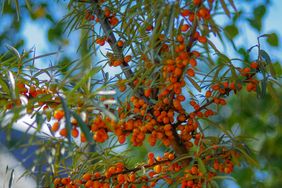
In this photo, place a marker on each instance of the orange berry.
(178, 72)
(165, 120)
(196, 54)
(55, 127)
(245, 71)
(127, 58)
(167, 127)
(202, 39)
(57, 181)
(82, 137)
(151, 155)
(171, 156)
(191, 72)
(184, 27)
(204, 13)
(151, 174)
(149, 28)
(225, 85)
(113, 21)
(87, 176)
(254, 65)
(194, 170)
(59, 114)
(120, 43)
(121, 139)
(185, 12)
(215, 87)
(122, 87)
(107, 12)
(147, 92)
(191, 17)
(63, 132)
(190, 183)
(180, 38)
(131, 177)
(97, 175)
(117, 63)
(193, 62)
(197, 2)
(121, 178)
(181, 117)
(65, 181)
(100, 41)
(250, 87)
(89, 184)
(20, 85)
(208, 94)
(158, 169)
(74, 132)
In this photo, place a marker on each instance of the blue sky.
(35, 33)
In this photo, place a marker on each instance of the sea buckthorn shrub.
(170, 82)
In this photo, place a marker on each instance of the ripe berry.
(55, 127)
(158, 169)
(120, 43)
(127, 58)
(59, 114)
(197, 2)
(184, 27)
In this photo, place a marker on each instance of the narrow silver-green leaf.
(265, 55)
(202, 166)
(11, 178)
(194, 83)
(67, 119)
(84, 128)
(224, 6)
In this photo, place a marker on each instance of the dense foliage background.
(256, 119)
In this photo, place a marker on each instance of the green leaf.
(183, 157)
(84, 79)
(278, 68)
(263, 86)
(265, 55)
(5, 86)
(17, 9)
(248, 158)
(67, 121)
(194, 83)
(272, 71)
(272, 92)
(214, 184)
(224, 6)
(259, 11)
(234, 159)
(223, 58)
(231, 31)
(273, 39)
(233, 5)
(39, 121)
(202, 166)
(12, 84)
(28, 5)
(255, 23)
(224, 178)
(11, 179)
(55, 32)
(84, 128)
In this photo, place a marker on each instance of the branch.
(112, 39)
(176, 144)
(127, 171)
